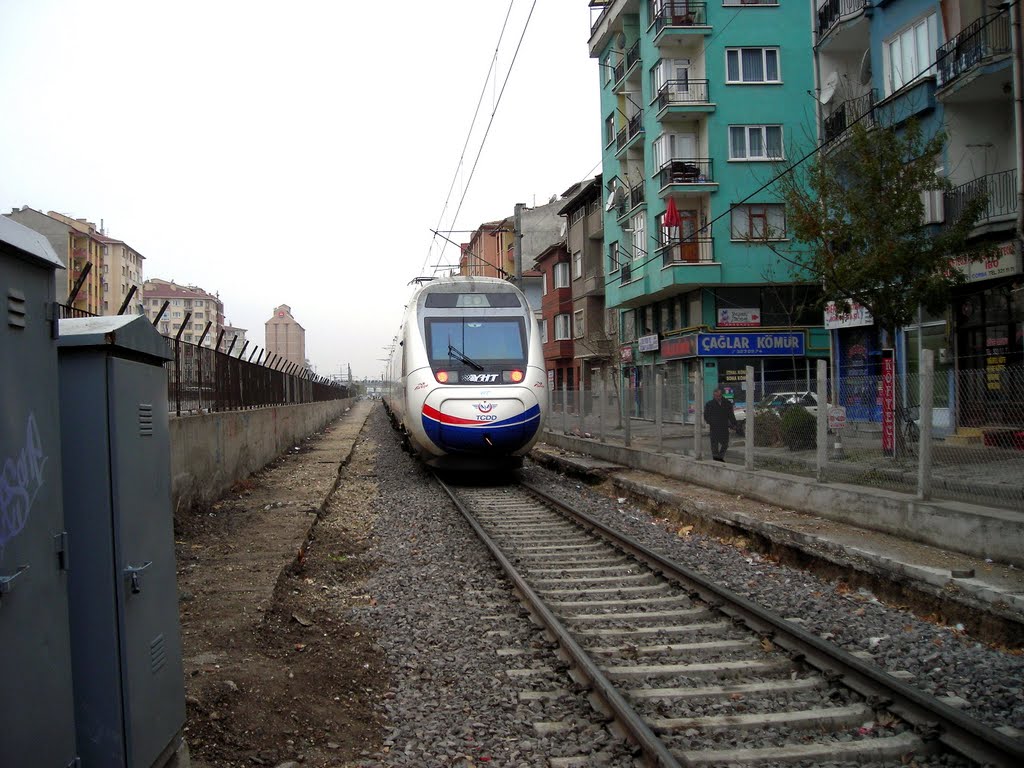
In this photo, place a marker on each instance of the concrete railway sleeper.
(694, 674)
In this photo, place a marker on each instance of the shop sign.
(679, 346)
(857, 316)
(626, 354)
(750, 344)
(648, 343)
(836, 417)
(1005, 260)
(737, 318)
(888, 403)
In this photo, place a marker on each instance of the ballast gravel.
(466, 661)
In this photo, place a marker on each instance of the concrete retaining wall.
(211, 452)
(985, 532)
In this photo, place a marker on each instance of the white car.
(779, 400)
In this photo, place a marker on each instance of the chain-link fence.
(947, 435)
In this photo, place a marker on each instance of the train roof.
(468, 284)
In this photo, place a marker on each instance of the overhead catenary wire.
(472, 125)
(490, 122)
(789, 169)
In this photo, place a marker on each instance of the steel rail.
(652, 747)
(933, 718)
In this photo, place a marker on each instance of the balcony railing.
(633, 55)
(834, 10)
(686, 250)
(980, 40)
(679, 13)
(632, 199)
(846, 114)
(683, 93)
(685, 170)
(633, 127)
(1001, 189)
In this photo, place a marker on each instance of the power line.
(490, 122)
(472, 125)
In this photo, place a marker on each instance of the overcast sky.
(294, 153)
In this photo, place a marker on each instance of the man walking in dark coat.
(719, 417)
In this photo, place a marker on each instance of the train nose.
(501, 425)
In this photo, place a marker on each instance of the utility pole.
(517, 245)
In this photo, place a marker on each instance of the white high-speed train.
(466, 381)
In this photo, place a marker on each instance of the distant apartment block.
(234, 341)
(77, 243)
(122, 271)
(285, 337)
(188, 304)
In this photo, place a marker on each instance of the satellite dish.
(614, 198)
(620, 40)
(829, 88)
(865, 68)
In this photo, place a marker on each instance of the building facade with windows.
(584, 227)
(950, 66)
(556, 334)
(197, 314)
(77, 243)
(122, 271)
(285, 337)
(701, 104)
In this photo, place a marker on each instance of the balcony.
(686, 250)
(625, 66)
(683, 97)
(630, 135)
(1001, 189)
(691, 174)
(978, 43)
(635, 198)
(860, 108)
(680, 15)
(834, 11)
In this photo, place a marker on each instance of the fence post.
(627, 411)
(658, 413)
(698, 411)
(821, 441)
(748, 426)
(924, 439)
(602, 404)
(565, 408)
(579, 404)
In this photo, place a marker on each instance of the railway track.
(696, 675)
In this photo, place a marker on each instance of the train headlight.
(512, 377)
(443, 377)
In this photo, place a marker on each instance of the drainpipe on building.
(1018, 112)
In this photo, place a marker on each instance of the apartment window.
(759, 222)
(175, 314)
(577, 264)
(613, 256)
(910, 53)
(755, 142)
(609, 69)
(544, 284)
(199, 314)
(609, 129)
(628, 325)
(562, 275)
(752, 65)
(639, 236)
(577, 323)
(200, 303)
(544, 331)
(562, 330)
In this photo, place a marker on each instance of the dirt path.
(274, 671)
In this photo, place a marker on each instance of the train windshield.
(482, 340)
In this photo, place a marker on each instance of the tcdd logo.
(484, 407)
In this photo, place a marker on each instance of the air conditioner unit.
(934, 206)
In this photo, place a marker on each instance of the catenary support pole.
(698, 411)
(748, 431)
(658, 414)
(821, 427)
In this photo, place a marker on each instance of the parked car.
(779, 400)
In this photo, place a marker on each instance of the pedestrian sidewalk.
(879, 533)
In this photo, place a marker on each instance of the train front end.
(484, 393)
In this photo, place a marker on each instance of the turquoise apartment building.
(949, 65)
(702, 104)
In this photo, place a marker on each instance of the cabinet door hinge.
(63, 554)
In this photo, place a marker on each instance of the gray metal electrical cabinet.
(129, 688)
(37, 726)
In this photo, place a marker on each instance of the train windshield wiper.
(457, 354)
